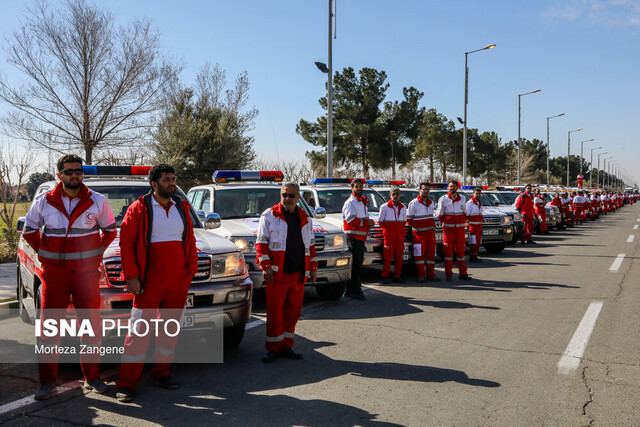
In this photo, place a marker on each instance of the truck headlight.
(517, 217)
(245, 244)
(335, 241)
(227, 265)
(506, 220)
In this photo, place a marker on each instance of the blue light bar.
(372, 182)
(237, 176)
(331, 181)
(468, 187)
(92, 170)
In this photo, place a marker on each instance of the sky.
(584, 55)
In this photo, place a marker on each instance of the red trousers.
(393, 248)
(528, 229)
(542, 215)
(284, 304)
(165, 288)
(424, 252)
(58, 285)
(476, 232)
(454, 240)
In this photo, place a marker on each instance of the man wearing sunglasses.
(77, 226)
(286, 253)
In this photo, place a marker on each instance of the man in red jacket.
(70, 251)
(286, 253)
(524, 204)
(159, 259)
(392, 219)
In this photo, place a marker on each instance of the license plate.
(490, 232)
(187, 321)
(405, 257)
(190, 299)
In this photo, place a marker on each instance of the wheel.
(38, 301)
(21, 293)
(494, 248)
(233, 335)
(330, 291)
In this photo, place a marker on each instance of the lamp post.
(604, 169)
(591, 167)
(329, 71)
(548, 150)
(581, 150)
(569, 151)
(466, 101)
(519, 115)
(598, 170)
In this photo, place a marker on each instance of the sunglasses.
(289, 195)
(395, 194)
(69, 172)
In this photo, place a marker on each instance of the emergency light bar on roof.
(483, 187)
(373, 182)
(91, 170)
(331, 180)
(238, 176)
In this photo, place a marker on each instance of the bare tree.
(14, 170)
(89, 84)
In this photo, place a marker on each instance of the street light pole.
(466, 101)
(598, 170)
(581, 150)
(591, 167)
(548, 150)
(569, 151)
(519, 120)
(604, 169)
(330, 99)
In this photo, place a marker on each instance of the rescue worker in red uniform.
(392, 219)
(356, 225)
(580, 180)
(557, 201)
(70, 250)
(423, 228)
(566, 209)
(540, 204)
(524, 205)
(474, 220)
(286, 253)
(451, 212)
(579, 207)
(159, 260)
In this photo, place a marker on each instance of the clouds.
(595, 12)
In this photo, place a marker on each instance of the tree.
(487, 157)
(14, 168)
(205, 128)
(34, 181)
(89, 84)
(436, 142)
(359, 136)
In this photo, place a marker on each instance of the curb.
(5, 308)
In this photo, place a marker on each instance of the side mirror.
(201, 215)
(20, 224)
(212, 221)
(321, 213)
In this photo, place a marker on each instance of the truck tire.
(233, 335)
(494, 248)
(330, 291)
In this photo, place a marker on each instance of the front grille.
(114, 269)
(492, 221)
(319, 242)
(204, 268)
(376, 233)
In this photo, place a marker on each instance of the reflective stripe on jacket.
(392, 219)
(452, 212)
(355, 218)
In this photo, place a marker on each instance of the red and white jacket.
(474, 212)
(524, 203)
(271, 243)
(74, 241)
(355, 217)
(539, 205)
(452, 211)
(392, 219)
(420, 215)
(579, 203)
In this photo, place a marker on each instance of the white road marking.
(571, 357)
(635, 227)
(16, 404)
(255, 323)
(616, 263)
(630, 238)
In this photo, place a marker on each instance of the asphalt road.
(503, 349)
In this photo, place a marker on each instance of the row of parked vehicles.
(225, 215)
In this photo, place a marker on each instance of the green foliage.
(34, 181)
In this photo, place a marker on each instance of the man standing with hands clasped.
(392, 219)
(451, 212)
(474, 219)
(524, 205)
(286, 253)
(159, 259)
(356, 225)
(423, 227)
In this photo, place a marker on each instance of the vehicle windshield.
(511, 196)
(498, 199)
(233, 203)
(407, 195)
(484, 199)
(333, 200)
(120, 198)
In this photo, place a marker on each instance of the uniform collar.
(362, 199)
(457, 199)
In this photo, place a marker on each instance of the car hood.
(205, 242)
(248, 227)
